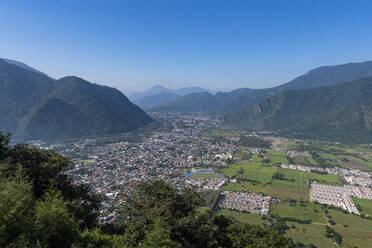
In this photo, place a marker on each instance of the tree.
(4, 145)
(16, 209)
(160, 216)
(159, 237)
(54, 225)
(44, 169)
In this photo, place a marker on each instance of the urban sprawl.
(181, 155)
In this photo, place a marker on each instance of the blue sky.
(215, 44)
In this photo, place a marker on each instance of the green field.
(351, 158)
(288, 190)
(277, 157)
(355, 237)
(309, 234)
(296, 175)
(326, 179)
(311, 161)
(368, 164)
(304, 211)
(328, 156)
(254, 177)
(355, 231)
(250, 171)
(242, 217)
(353, 221)
(278, 188)
(205, 176)
(358, 231)
(365, 204)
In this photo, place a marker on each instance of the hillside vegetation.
(338, 113)
(35, 106)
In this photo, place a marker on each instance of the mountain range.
(158, 95)
(227, 102)
(339, 113)
(36, 106)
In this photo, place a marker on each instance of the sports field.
(208, 176)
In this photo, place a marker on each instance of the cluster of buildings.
(351, 176)
(203, 181)
(339, 196)
(247, 202)
(113, 169)
(293, 154)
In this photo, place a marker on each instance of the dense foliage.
(338, 113)
(34, 106)
(40, 207)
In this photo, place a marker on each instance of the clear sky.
(215, 44)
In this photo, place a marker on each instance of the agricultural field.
(277, 157)
(365, 204)
(250, 171)
(328, 156)
(355, 231)
(360, 238)
(292, 185)
(368, 164)
(295, 175)
(352, 221)
(311, 161)
(288, 190)
(243, 217)
(277, 188)
(326, 179)
(299, 160)
(309, 234)
(219, 133)
(301, 211)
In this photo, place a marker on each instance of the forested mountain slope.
(34, 106)
(341, 112)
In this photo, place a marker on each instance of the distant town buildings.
(247, 202)
(339, 196)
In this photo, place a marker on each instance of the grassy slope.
(365, 204)
(309, 211)
(242, 217)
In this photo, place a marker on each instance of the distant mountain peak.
(158, 87)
